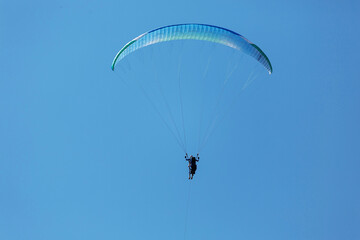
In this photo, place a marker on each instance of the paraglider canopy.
(195, 32)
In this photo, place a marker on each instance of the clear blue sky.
(82, 156)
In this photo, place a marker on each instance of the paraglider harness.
(192, 164)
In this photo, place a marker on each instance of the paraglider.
(201, 32)
(192, 164)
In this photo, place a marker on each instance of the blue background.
(82, 156)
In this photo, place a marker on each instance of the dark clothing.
(193, 169)
(192, 165)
